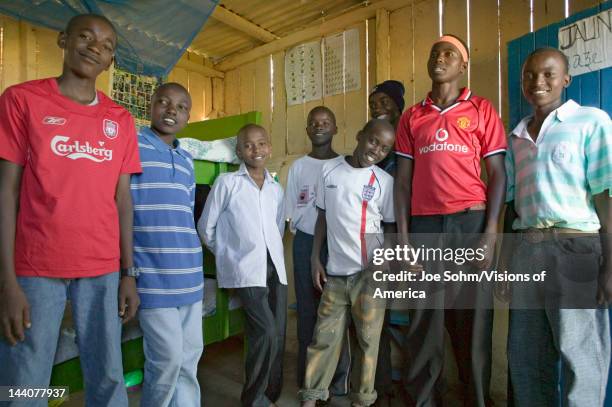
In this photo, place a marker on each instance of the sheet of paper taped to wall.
(219, 151)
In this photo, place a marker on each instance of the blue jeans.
(307, 304)
(98, 333)
(173, 345)
(540, 337)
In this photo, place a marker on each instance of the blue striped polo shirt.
(167, 249)
(552, 181)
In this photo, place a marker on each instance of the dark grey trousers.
(470, 330)
(558, 321)
(265, 310)
(383, 382)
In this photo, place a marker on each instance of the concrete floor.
(221, 370)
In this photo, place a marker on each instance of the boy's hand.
(318, 275)
(128, 299)
(487, 245)
(14, 312)
(503, 291)
(409, 264)
(604, 286)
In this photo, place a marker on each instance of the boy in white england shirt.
(354, 199)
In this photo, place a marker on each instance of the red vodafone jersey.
(72, 156)
(447, 146)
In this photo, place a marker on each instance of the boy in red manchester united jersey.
(438, 189)
(66, 155)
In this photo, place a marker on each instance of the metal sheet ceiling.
(217, 40)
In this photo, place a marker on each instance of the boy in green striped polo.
(559, 168)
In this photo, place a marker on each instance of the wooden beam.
(242, 24)
(27, 42)
(199, 68)
(383, 54)
(327, 27)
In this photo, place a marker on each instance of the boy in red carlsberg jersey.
(66, 155)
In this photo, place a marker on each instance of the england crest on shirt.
(111, 128)
(368, 192)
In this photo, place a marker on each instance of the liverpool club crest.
(111, 128)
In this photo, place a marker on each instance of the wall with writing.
(588, 43)
(590, 86)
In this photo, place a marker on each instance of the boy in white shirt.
(301, 211)
(242, 224)
(354, 198)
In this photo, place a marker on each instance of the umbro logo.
(58, 121)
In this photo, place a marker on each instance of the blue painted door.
(591, 89)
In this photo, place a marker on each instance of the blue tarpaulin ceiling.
(153, 34)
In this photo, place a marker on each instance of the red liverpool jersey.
(72, 156)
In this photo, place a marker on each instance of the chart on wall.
(342, 63)
(303, 73)
(308, 78)
(134, 93)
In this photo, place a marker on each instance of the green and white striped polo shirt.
(552, 181)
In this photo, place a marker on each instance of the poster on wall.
(588, 43)
(134, 92)
(303, 73)
(342, 63)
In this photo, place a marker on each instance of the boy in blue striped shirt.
(168, 255)
(559, 195)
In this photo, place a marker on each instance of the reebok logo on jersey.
(74, 150)
(441, 136)
(331, 186)
(58, 121)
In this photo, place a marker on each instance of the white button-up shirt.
(240, 224)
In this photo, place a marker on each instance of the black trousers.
(470, 330)
(383, 383)
(265, 311)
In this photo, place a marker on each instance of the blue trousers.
(173, 345)
(98, 332)
(544, 331)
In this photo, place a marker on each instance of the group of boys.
(338, 204)
(93, 213)
(72, 216)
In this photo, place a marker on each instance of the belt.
(478, 207)
(535, 235)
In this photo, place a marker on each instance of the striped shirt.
(167, 249)
(552, 181)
